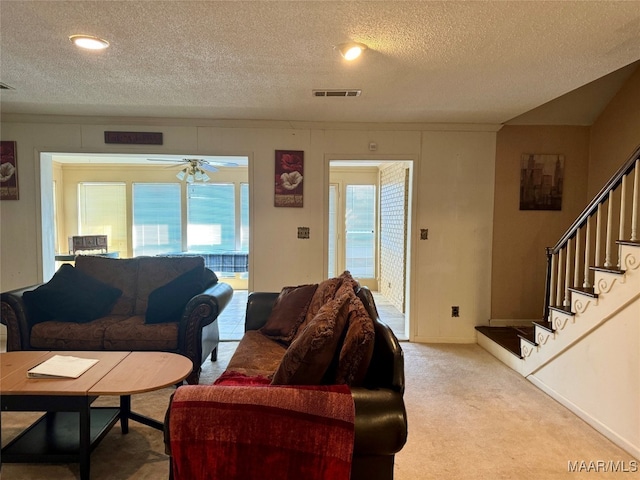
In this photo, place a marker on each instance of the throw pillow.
(348, 283)
(325, 292)
(166, 303)
(72, 295)
(357, 348)
(288, 313)
(309, 355)
(121, 273)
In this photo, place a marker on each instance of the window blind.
(102, 211)
(211, 217)
(157, 212)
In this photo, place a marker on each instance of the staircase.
(527, 349)
(585, 351)
(587, 271)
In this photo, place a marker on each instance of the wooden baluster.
(636, 200)
(623, 211)
(587, 251)
(547, 285)
(596, 259)
(567, 275)
(576, 261)
(552, 287)
(608, 233)
(559, 274)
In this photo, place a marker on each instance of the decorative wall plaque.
(541, 181)
(8, 171)
(133, 138)
(289, 176)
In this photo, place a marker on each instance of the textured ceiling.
(443, 62)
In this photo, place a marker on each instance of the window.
(55, 219)
(211, 217)
(333, 218)
(102, 211)
(157, 216)
(244, 217)
(360, 230)
(217, 216)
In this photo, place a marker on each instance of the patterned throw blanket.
(257, 432)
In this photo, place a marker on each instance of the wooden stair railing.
(589, 242)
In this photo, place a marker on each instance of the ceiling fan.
(195, 169)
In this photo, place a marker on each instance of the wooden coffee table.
(71, 429)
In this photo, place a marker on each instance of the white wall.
(453, 185)
(598, 378)
(455, 202)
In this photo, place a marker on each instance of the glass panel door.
(360, 235)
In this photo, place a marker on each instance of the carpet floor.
(470, 417)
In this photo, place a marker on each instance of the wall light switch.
(303, 232)
(424, 234)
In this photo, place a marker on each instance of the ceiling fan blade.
(221, 164)
(208, 168)
(173, 160)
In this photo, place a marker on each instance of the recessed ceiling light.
(89, 42)
(351, 50)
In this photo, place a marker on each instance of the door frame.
(412, 229)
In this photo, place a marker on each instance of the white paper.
(62, 366)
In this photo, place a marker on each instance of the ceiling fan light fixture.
(351, 50)
(89, 42)
(195, 169)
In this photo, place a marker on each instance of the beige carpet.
(470, 417)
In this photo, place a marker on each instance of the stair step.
(528, 334)
(506, 337)
(547, 325)
(590, 292)
(565, 310)
(614, 270)
(632, 243)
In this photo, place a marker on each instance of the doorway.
(143, 206)
(369, 232)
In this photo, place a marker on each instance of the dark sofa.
(376, 381)
(145, 303)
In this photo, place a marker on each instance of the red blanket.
(233, 432)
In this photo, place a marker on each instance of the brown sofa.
(311, 337)
(145, 303)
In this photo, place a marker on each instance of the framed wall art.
(289, 176)
(541, 181)
(8, 171)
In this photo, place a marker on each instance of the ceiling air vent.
(336, 93)
(4, 86)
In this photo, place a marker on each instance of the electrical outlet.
(455, 311)
(303, 232)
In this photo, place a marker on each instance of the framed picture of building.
(8, 171)
(289, 176)
(541, 181)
